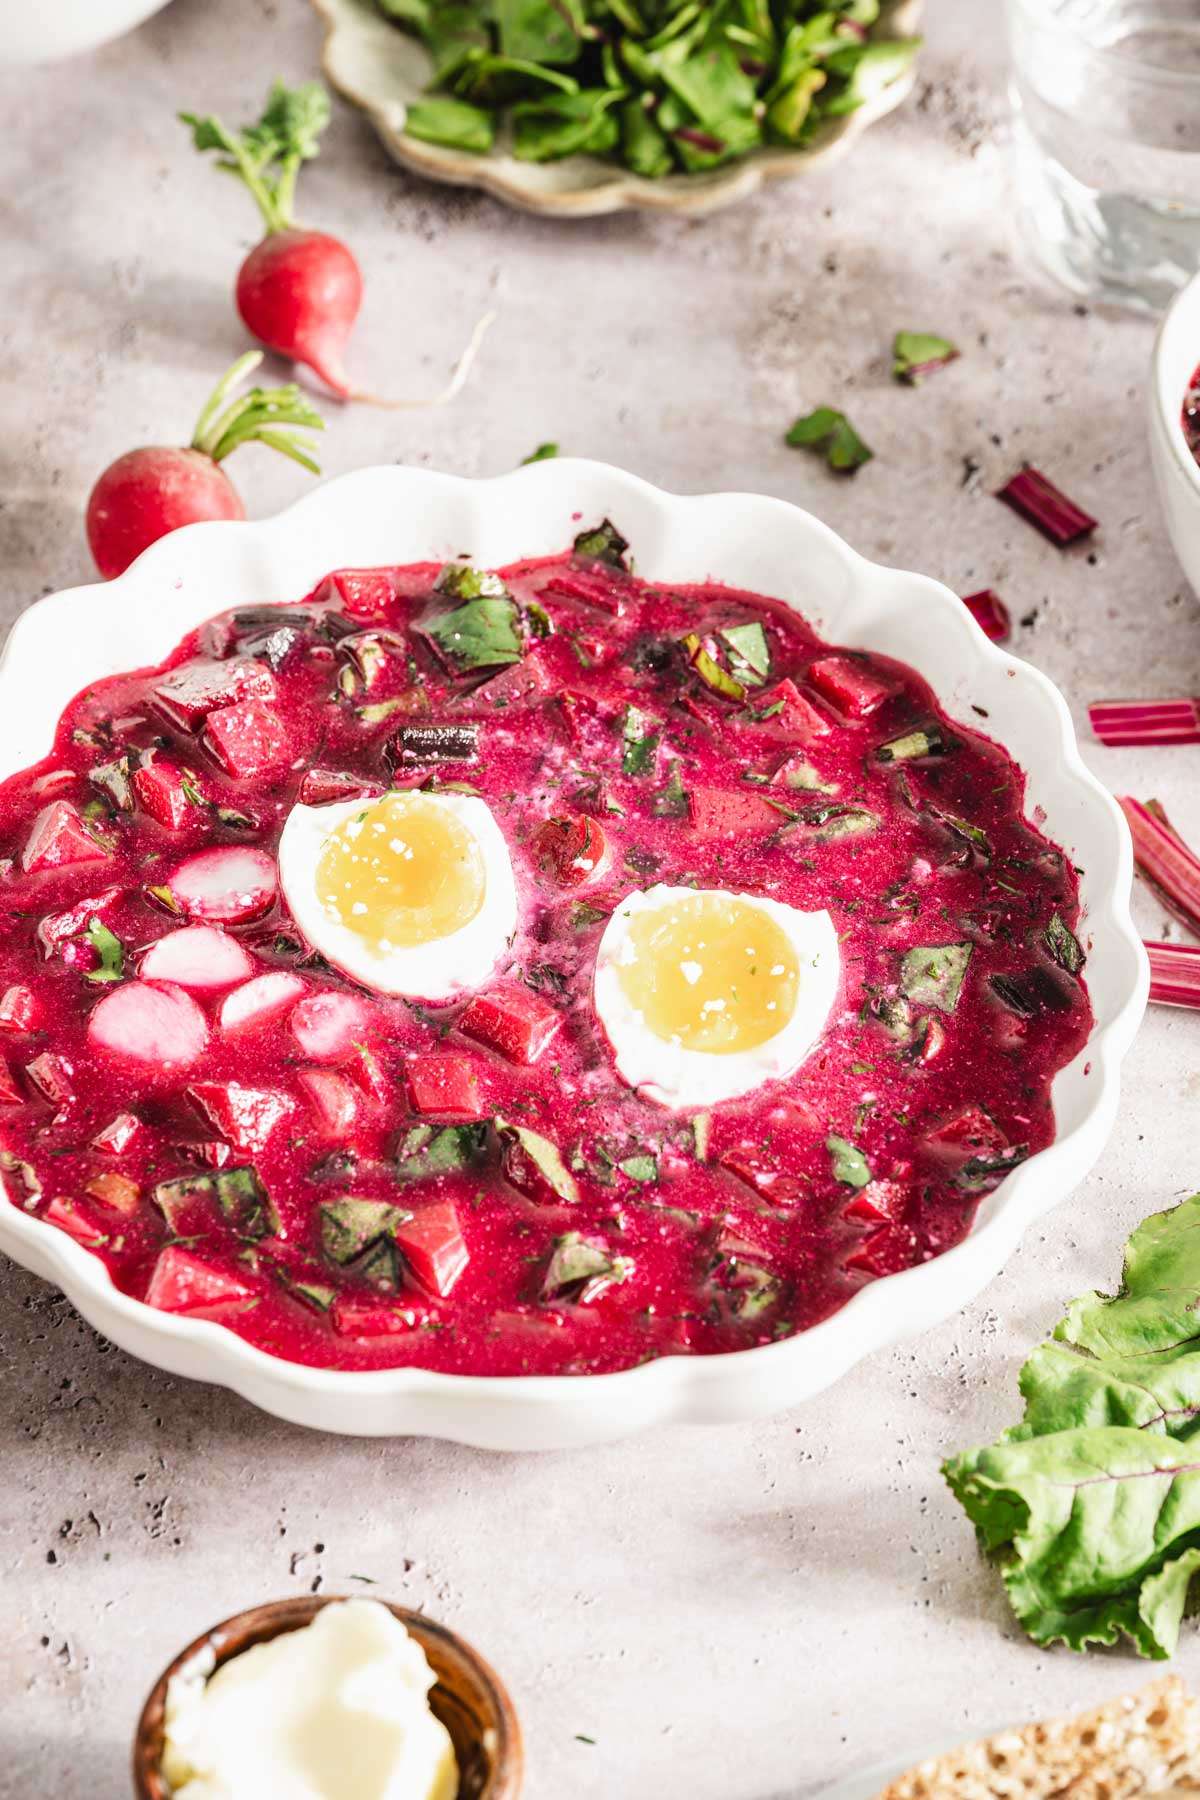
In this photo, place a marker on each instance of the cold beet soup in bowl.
(1175, 425)
(525, 969)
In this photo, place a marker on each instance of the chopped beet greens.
(832, 436)
(916, 354)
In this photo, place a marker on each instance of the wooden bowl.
(467, 1697)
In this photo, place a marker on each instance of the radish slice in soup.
(259, 1001)
(198, 956)
(327, 1026)
(225, 886)
(161, 1027)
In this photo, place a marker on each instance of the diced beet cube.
(53, 1077)
(10, 1093)
(118, 1134)
(190, 693)
(245, 1116)
(57, 838)
(160, 1027)
(445, 1087)
(968, 1133)
(569, 850)
(331, 1098)
(57, 928)
(321, 787)
(797, 717)
(432, 1245)
(329, 1024)
(592, 585)
(257, 1002)
(765, 1178)
(356, 1316)
(118, 1192)
(577, 710)
(210, 1153)
(158, 786)
(879, 1203)
(732, 812)
(183, 1282)
(18, 1009)
(522, 684)
(513, 1020)
(77, 1223)
(367, 1075)
(225, 886)
(853, 689)
(248, 739)
(365, 593)
(197, 956)
(885, 1252)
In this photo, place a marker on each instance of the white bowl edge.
(1175, 359)
(394, 514)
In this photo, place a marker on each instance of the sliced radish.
(332, 1100)
(118, 1134)
(159, 1026)
(55, 929)
(189, 694)
(245, 1116)
(185, 1283)
(259, 1001)
(327, 1026)
(225, 886)
(197, 956)
(58, 837)
(432, 1245)
(72, 1219)
(53, 1077)
(18, 1009)
(248, 739)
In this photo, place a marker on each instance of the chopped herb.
(109, 949)
(918, 353)
(640, 1168)
(1063, 945)
(672, 801)
(714, 677)
(640, 741)
(582, 915)
(545, 1156)
(850, 1166)
(462, 582)
(977, 1171)
(831, 434)
(929, 740)
(934, 976)
(581, 1268)
(482, 633)
(427, 1151)
(749, 652)
(543, 453)
(603, 544)
(352, 1226)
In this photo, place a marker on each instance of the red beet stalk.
(1174, 974)
(1046, 507)
(1165, 860)
(989, 613)
(1146, 721)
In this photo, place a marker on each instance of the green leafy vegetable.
(454, 123)
(109, 949)
(352, 1226)
(582, 1268)
(425, 1150)
(850, 1166)
(672, 801)
(482, 633)
(545, 1156)
(1091, 1505)
(714, 677)
(933, 976)
(1063, 945)
(267, 156)
(603, 543)
(543, 453)
(929, 740)
(749, 652)
(916, 354)
(640, 740)
(831, 435)
(642, 1167)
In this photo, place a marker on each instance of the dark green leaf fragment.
(115, 778)
(640, 740)
(981, 1170)
(850, 1166)
(543, 453)
(672, 801)
(463, 582)
(245, 1203)
(426, 1150)
(1028, 994)
(109, 949)
(929, 740)
(482, 633)
(1063, 945)
(558, 125)
(439, 119)
(933, 975)
(831, 434)
(316, 1294)
(603, 543)
(582, 1268)
(545, 1156)
(351, 1226)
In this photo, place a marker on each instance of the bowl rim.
(1179, 329)
(620, 190)
(275, 1618)
(433, 1402)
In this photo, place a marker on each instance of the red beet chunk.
(1047, 508)
(885, 1252)
(321, 787)
(57, 838)
(513, 1020)
(364, 593)
(19, 1009)
(591, 585)
(158, 1026)
(78, 1223)
(847, 685)
(731, 812)
(183, 1282)
(118, 1134)
(797, 717)
(10, 1093)
(248, 739)
(191, 692)
(445, 1087)
(879, 1203)
(356, 1317)
(433, 1246)
(56, 928)
(244, 1116)
(158, 786)
(969, 1133)
(331, 1099)
(569, 850)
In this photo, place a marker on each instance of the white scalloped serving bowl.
(397, 515)
(383, 70)
(1176, 358)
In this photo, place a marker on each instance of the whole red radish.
(298, 291)
(148, 492)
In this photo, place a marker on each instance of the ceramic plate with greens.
(591, 106)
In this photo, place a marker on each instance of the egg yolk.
(710, 973)
(403, 871)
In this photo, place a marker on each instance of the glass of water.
(1106, 100)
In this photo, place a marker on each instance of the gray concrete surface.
(743, 1614)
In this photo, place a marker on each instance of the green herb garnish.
(482, 633)
(831, 435)
(109, 949)
(850, 1166)
(545, 1156)
(640, 741)
(934, 976)
(1063, 945)
(603, 543)
(543, 453)
(916, 354)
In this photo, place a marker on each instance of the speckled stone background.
(738, 1614)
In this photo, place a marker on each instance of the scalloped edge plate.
(381, 69)
(396, 515)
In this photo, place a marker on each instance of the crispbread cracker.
(1138, 1744)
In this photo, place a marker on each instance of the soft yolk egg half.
(706, 995)
(411, 893)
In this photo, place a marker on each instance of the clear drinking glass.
(1106, 102)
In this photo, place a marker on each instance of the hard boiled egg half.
(410, 893)
(706, 995)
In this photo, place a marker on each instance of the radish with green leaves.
(148, 492)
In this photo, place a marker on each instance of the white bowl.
(406, 515)
(1176, 359)
(383, 70)
(42, 34)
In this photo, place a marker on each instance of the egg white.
(437, 970)
(672, 1076)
